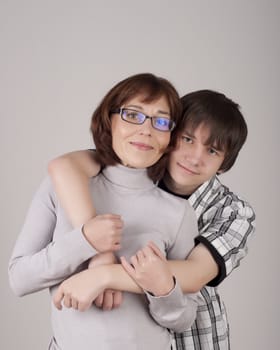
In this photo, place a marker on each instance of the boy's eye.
(213, 151)
(186, 139)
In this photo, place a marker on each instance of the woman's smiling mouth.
(141, 146)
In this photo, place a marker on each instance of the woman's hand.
(80, 290)
(150, 271)
(109, 299)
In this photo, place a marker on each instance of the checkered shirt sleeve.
(225, 222)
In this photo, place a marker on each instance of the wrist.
(165, 289)
(114, 277)
(87, 235)
(106, 275)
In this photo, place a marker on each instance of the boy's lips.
(187, 170)
(141, 146)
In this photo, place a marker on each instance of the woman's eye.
(132, 115)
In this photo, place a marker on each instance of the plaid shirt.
(225, 223)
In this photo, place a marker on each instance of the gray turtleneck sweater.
(48, 250)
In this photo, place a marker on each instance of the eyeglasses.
(135, 117)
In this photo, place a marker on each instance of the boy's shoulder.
(223, 191)
(171, 201)
(214, 194)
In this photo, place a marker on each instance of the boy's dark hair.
(152, 88)
(228, 129)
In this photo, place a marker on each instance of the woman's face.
(140, 146)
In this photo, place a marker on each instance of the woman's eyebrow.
(141, 108)
(163, 112)
(135, 106)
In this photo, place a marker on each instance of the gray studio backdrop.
(58, 58)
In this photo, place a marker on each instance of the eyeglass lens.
(135, 117)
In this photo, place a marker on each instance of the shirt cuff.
(164, 302)
(217, 257)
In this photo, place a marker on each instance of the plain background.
(58, 59)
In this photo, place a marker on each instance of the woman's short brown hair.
(152, 88)
(228, 129)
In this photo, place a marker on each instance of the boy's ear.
(219, 172)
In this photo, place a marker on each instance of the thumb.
(127, 266)
(156, 250)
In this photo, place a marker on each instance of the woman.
(48, 251)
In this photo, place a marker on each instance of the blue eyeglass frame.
(171, 122)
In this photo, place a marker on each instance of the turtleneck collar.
(128, 177)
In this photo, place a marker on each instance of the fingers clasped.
(147, 266)
(104, 232)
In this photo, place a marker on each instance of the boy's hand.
(80, 290)
(103, 232)
(150, 271)
(109, 299)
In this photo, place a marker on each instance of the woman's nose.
(146, 127)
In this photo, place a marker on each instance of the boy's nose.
(196, 155)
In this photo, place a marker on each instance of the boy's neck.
(176, 188)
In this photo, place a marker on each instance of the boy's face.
(193, 161)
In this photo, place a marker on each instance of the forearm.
(118, 279)
(191, 274)
(196, 271)
(70, 175)
(41, 259)
(186, 273)
(31, 271)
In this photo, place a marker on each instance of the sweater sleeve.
(177, 311)
(38, 260)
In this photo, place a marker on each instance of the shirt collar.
(132, 178)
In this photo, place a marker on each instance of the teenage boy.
(210, 137)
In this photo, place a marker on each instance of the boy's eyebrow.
(189, 133)
(213, 145)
